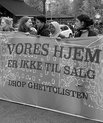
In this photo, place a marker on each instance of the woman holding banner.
(25, 25)
(6, 24)
(42, 26)
(55, 30)
(83, 26)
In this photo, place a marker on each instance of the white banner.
(65, 76)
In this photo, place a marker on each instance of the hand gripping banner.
(64, 76)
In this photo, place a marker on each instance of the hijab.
(57, 29)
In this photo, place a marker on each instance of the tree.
(62, 7)
(91, 7)
(77, 4)
(37, 4)
(66, 7)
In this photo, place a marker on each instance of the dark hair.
(86, 19)
(21, 24)
(41, 18)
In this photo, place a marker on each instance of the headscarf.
(57, 29)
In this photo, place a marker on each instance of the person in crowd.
(99, 27)
(6, 24)
(25, 25)
(83, 26)
(71, 26)
(0, 24)
(42, 26)
(55, 30)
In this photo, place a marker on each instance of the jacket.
(44, 31)
(90, 33)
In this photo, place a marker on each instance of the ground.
(17, 113)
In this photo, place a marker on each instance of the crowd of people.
(83, 27)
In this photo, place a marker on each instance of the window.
(64, 28)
